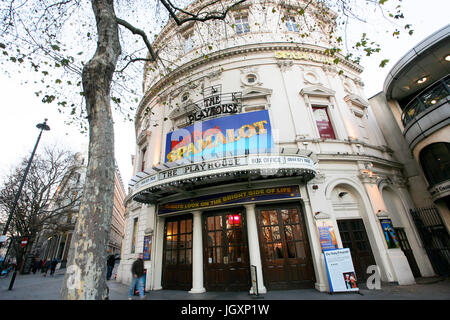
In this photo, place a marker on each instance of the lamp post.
(42, 126)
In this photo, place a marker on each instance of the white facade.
(353, 176)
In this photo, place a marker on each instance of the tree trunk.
(86, 275)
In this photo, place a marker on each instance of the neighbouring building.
(56, 243)
(256, 151)
(414, 115)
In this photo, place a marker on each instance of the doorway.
(354, 237)
(226, 259)
(177, 256)
(285, 251)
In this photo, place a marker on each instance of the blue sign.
(220, 199)
(234, 135)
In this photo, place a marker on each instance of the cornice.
(169, 79)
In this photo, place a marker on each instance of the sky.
(21, 110)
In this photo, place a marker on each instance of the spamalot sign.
(299, 55)
(236, 135)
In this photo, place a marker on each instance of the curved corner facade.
(257, 157)
(414, 111)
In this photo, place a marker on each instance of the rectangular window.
(188, 42)
(362, 127)
(241, 24)
(134, 235)
(291, 24)
(143, 152)
(323, 122)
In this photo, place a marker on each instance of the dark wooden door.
(226, 257)
(354, 237)
(285, 252)
(177, 259)
(406, 248)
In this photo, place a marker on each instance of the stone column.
(197, 254)
(253, 246)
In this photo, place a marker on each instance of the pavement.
(37, 287)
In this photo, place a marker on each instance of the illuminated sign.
(245, 196)
(234, 135)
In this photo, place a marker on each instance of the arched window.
(435, 162)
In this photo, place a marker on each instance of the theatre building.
(255, 153)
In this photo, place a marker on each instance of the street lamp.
(42, 126)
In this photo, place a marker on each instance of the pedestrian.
(45, 267)
(53, 265)
(137, 271)
(35, 265)
(110, 266)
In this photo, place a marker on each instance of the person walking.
(53, 265)
(35, 265)
(137, 271)
(110, 266)
(45, 267)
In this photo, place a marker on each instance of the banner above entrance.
(220, 199)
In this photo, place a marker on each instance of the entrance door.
(226, 252)
(354, 237)
(177, 259)
(285, 252)
(406, 248)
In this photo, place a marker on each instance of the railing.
(426, 99)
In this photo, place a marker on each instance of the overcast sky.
(21, 110)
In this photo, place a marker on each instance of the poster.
(147, 250)
(327, 235)
(389, 234)
(226, 136)
(341, 273)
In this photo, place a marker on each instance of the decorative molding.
(317, 91)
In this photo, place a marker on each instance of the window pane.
(273, 217)
(285, 216)
(276, 233)
(265, 218)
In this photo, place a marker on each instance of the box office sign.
(245, 196)
(231, 135)
(341, 273)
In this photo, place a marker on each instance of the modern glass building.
(415, 112)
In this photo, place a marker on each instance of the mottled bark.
(86, 276)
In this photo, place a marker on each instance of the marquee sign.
(239, 134)
(244, 196)
(264, 163)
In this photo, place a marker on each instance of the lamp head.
(43, 126)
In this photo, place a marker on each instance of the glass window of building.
(188, 42)
(435, 162)
(362, 127)
(134, 235)
(323, 122)
(143, 153)
(291, 24)
(241, 24)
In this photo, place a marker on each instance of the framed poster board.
(147, 250)
(340, 270)
(389, 234)
(327, 235)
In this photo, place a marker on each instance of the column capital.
(196, 212)
(249, 206)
